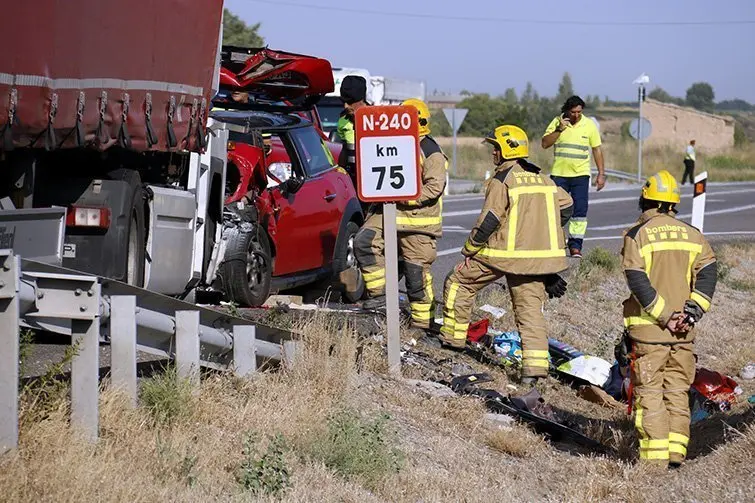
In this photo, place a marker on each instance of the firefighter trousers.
(661, 377)
(417, 252)
(527, 297)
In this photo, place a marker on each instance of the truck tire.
(248, 267)
(344, 258)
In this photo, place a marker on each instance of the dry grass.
(735, 164)
(277, 431)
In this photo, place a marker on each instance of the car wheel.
(136, 251)
(346, 259)
(248, 268)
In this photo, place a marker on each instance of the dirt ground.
(349, 432)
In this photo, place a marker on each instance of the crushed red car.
(291, 214)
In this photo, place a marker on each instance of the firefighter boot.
(418, 252)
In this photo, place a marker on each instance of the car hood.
(275, 75)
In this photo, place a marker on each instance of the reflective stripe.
(638, 419)
(550, 207)
(419, 221)
(690, 266)
(658, 308)
(420, 306)
(645, 319)
(513, 220)
(662, 443)
(369, 276)
(701, 301)
(99, 83)
(572, 145)
(578, 227)
(677, 449)
(377, 283)
(429, 295)
(493, 253)
(658, 455)
(670, 246)
(678, 438)
(529, 362)
(468, 246)
(567, 155)
(534, 353)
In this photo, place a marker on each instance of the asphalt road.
(729, 215)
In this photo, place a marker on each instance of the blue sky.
(491, 55)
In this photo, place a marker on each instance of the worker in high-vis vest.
(519, 235)
(573, 137)
(671, 272)
(354, 95)
(419, 225)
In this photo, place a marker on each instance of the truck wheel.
(345, 258)
(136, 241)
(248, 268)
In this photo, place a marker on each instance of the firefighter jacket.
(424, 216)
(345, 130)
(666, 262)
(519, 230)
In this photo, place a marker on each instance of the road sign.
(455, 117)
(387, 150)
(634, 129)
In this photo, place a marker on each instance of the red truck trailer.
(103, 115)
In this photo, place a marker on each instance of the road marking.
(680, 217)
(451, 251)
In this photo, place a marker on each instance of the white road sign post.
(455, 116)
(388, 170)
(698, 200)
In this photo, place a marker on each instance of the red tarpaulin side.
(74, 53)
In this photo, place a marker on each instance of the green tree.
(510, 96)
(661, 95)
(237, 32)
(735, 105)
(565, 88)
(439, 124)
(700, 95)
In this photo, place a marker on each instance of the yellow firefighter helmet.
(661, 187)
(511, 140)
(424, 114)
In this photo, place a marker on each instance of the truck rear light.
(79, 216)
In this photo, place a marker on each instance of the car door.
(308, 220)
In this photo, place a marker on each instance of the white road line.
(451, 251)
(681, 216)
(614, 199)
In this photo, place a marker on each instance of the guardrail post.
(244, 350)
(187, 346)
(123, 344)
(291, 351)
(9, 354)
(85, 369)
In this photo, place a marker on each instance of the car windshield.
(329, 115)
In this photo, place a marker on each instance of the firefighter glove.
(692, 309)
(555, 285)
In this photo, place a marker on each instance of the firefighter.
(671, 272)
(518, 235)
(419, 226)
(354, 95)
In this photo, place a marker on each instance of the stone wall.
(675, 126)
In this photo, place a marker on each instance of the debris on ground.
(748, 371)
(496, 312)
(430, 389)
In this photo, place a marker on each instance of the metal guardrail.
(92, 310)
(623, 175)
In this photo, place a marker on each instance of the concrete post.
(291, 351)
